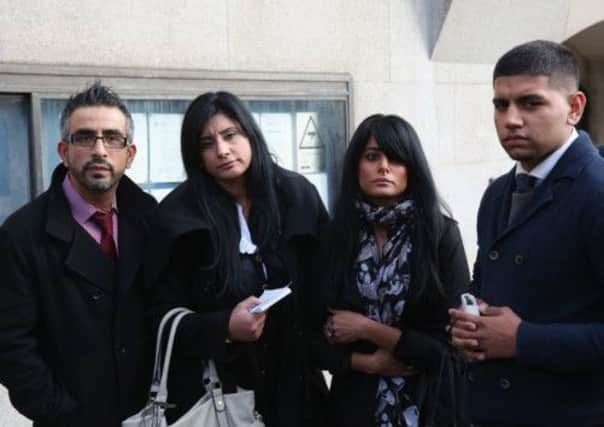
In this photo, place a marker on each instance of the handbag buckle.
(159, 404)
(219, 404)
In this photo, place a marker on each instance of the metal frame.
(60, 81)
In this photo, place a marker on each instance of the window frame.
(41, 82)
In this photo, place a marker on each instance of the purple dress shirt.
(82, 212)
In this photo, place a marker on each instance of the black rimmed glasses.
(111, 140)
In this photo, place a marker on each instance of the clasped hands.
(344, 327)
(492, 335)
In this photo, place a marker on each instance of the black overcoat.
(177, 269)
(73, 340)
(423, 344)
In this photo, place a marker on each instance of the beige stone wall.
(597, 103)
(384, 45)
(595, 87)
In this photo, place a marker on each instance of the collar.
(246, 245)
(81, 209)
(543, 169)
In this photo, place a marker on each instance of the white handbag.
(214, 409)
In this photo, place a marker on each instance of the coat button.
(493, 255)
(518, 260)
(96, 297)
(505, 383)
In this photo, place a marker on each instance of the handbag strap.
(160, 333)
(214, 388)
(162, 390)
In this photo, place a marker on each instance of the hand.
(243, 325)
(345, 326)
(494, 334)
(460, 325)
(383, 363)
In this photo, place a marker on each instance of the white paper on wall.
(139, 170)
(164, 138)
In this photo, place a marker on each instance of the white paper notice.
(138, 172)
(164, 137)
(277, 130)
(270, 297)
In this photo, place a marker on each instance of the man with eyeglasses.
(74, 346)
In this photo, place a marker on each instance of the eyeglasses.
(111, 140)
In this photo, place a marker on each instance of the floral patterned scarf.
(383, 281)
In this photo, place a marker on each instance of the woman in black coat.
(396, 264)
(238, 225)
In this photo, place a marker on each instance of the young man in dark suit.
(74, 347)
(538, 346)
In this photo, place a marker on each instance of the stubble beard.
(96, 185)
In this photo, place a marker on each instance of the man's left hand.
(495, 334)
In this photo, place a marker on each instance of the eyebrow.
(88, 130)
(521, 98)
(222, 132)
(531, 97)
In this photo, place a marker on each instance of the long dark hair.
(216, 205)
(399, 142)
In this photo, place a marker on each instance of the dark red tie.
(104, 221)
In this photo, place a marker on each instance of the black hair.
(540, 58)
(399, 142)
(97, 95)
(216, 205)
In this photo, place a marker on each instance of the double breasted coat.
(74, 347)
(547, 267)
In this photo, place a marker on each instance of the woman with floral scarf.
(396, 264)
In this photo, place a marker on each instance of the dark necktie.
(104, 221)
(525, 185)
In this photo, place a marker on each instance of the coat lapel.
(83, 255)
(130, 252)
(86, 259)
(551, 189)
(133, 204)
(503, 199)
